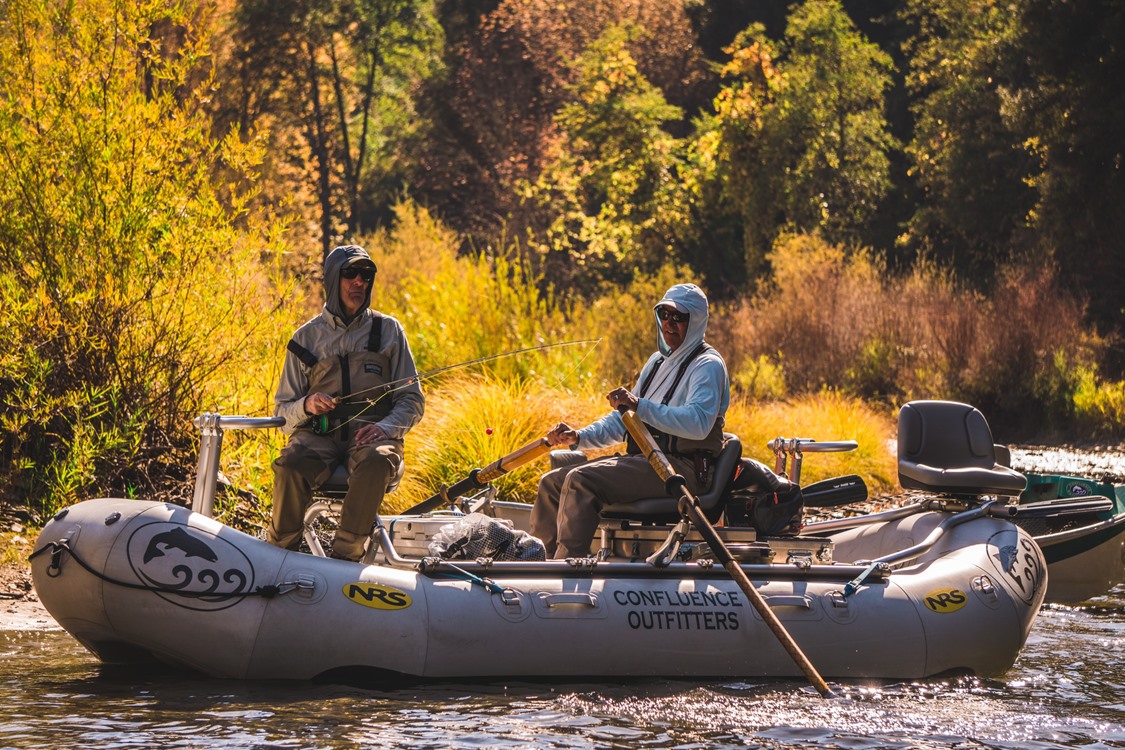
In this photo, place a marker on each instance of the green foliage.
(971, 167)
(333, 84)
(1065, 63)
(610, 183)
(831, 115)
(129, 279)
(493, 115)
(759, 378)
(798, 137)
(1099, 406)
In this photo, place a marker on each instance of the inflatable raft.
(942, 589)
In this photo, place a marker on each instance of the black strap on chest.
(374, 342)
(308, 359)
(703, 346)
(375, 336)
(661, 439)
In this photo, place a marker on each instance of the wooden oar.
(689, 507)
(479, 478)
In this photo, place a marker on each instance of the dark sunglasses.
(367, 274)
(673, 315)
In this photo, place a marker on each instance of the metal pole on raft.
(689, 508)
(211, 450)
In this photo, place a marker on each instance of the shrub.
(458, 308)
(624, 320)
(134, 284)
(1099, 407)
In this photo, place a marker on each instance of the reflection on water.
(1066, 690)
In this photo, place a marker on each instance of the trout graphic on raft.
(181, 540)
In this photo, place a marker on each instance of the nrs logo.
(375, 596)
(944, 601)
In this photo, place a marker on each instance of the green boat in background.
(1085, 548)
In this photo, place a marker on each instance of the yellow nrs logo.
(375, 596)
(944, 601)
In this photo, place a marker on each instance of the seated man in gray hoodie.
(682, 396)
(348, 349)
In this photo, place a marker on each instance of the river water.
(1067, 689)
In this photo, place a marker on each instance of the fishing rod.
(349, 411)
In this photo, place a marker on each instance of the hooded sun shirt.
(699, 399)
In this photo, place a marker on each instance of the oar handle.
(479, 478)
(690, 505)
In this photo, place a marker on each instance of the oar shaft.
(479, 478)
(715, 542)
(666, 472)
(520, 456)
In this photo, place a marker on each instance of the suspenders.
(664, 441)
(703, 346)
(374, 343)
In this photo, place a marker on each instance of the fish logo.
(189, 567)
(179, 539)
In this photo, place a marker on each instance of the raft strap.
(435, 566)
(63, 545)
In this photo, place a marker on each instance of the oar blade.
(829, 493)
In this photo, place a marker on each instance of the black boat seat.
(946, 447)
(665, 510)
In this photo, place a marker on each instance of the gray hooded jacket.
(329, 334)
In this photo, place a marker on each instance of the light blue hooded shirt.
(702, 396)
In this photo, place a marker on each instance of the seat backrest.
(666, 509)
(947, 447)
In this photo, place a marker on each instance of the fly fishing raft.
(679, 586)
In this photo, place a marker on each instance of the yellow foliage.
(825, 416)
(473, 420)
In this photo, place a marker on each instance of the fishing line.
(407, 382)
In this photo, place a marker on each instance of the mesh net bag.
(477, 535)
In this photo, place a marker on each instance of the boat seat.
(946, 447)
(665, 510)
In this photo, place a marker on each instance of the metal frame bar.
(211, 450)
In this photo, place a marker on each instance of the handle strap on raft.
(854, 584)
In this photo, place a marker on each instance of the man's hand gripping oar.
(479, 478)
(689, 508)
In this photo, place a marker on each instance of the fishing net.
(477, 535)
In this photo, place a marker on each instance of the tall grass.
(825, 416)
(472, 420)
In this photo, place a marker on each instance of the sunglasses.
(367, 274)
(673, 315)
